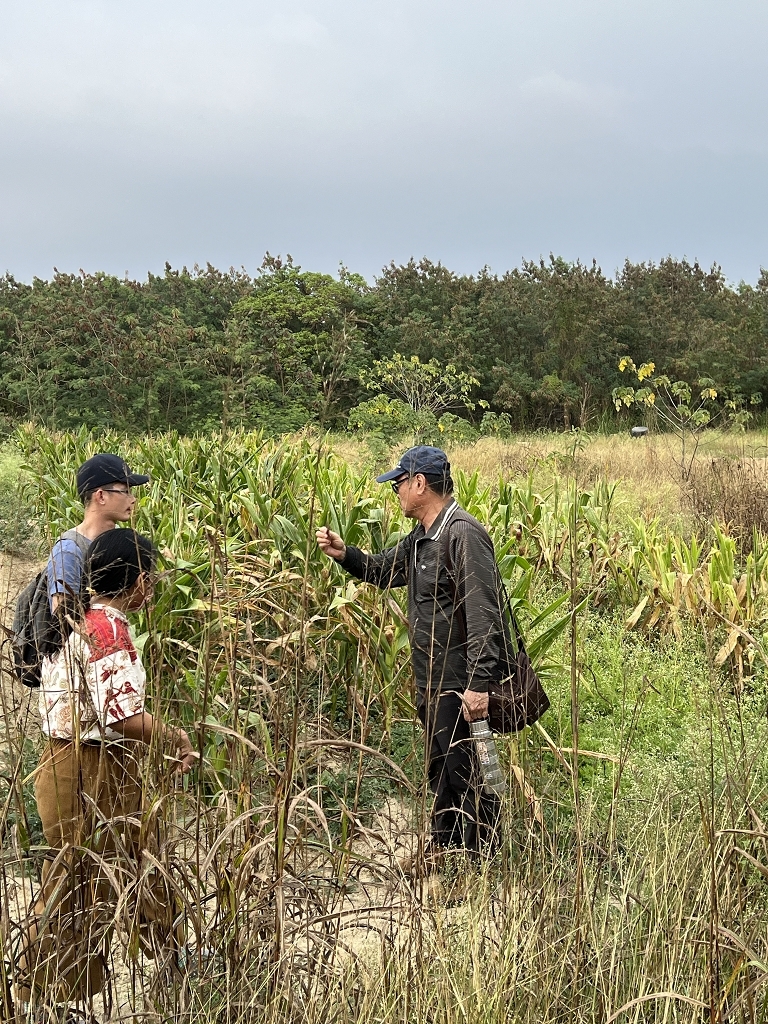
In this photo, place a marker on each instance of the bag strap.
(445, 554)
(504, 605)
(82, 542)
(512, 617)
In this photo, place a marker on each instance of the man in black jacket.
(459, 637)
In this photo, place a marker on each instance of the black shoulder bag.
(518, 698)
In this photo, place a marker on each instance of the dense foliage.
(190, 350)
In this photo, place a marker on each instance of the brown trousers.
(89, 799)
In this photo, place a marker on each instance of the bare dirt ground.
(15, 571)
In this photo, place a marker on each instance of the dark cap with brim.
(104, 469)
(421, 459)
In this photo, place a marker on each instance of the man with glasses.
(104, 484)
(459, 639)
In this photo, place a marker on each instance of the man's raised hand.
(331, 544)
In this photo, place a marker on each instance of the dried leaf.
(634, 618)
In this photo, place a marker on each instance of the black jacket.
(459, 637)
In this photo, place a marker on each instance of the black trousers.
(463, 814)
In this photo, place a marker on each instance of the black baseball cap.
(421, 459)
(104, 469)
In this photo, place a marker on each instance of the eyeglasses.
(397, 484)
(116, 490)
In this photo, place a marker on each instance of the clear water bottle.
(488, 756)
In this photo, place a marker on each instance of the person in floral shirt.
(88, 786)
(102, 657)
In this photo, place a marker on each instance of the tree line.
(192, 350)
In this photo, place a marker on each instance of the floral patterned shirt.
(96, 679)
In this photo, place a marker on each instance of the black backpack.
(36, 631)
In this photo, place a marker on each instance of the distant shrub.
(496, 425)
(387, 417)
(452, 430)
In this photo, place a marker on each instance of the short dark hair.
(115, 561)
(441, 485)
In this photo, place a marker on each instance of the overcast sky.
(360, 131)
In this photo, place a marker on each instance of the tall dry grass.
(281, 852)
(649, 467)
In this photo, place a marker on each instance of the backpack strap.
(52, 629)
(82, 542)
(511, 616)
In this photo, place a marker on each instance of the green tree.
(188, 348)
(296, 350)
(90, 349)
(416, 391)
(425, 387)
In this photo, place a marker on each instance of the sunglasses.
(397, 484)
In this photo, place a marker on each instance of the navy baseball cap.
(104, 469)
(421, 459)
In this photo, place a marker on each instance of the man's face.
(117, 502)
(408, 492)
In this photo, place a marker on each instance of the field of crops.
(632, 882)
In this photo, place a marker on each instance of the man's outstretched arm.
(389, 569)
